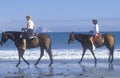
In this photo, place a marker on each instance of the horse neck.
(78, 37)
(13, 35)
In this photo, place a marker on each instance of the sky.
(60, 15)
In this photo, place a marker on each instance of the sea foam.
(58, 54)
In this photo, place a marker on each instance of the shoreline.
(60, 69)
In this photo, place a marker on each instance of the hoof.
(50, 64)
(110, 62)
(95, 62)
(17, 65)
(28, 64)
(79, 62)
(35, 64)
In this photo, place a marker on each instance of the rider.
(30, 30)
(95, 32)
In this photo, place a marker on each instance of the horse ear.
(1, 31)
(72, 33)
(4, 34)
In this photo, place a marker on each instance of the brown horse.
(42, 40)
(107, 40)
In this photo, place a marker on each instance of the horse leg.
(42, 53)
(50, 55)
(93, 55)
(21, 54)
(19, 59)
(84, 50)
(111, 57)
(110, 54)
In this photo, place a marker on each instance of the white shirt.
(96, 29)
(30, 24)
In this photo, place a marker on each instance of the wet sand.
(61, 69)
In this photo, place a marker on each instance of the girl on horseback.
(95, 32)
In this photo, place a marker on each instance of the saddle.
(99, 39)
(32, 36)
(29, 37)
(97, 36)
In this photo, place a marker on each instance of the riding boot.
(93, 47)
(24, 44)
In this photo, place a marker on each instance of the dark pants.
(29, 33)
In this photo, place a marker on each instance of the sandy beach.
(60, 69)
(65, 65)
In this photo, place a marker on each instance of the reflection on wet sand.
(43, 71)
(46, 72)
(64, 69)
(111, 67)
(33, 72)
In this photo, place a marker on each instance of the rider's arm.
(97, 28)
(23, 29)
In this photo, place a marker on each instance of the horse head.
(71, 38)
(4, 38)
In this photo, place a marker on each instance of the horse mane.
(83, 35)
(15, 33)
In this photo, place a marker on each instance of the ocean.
(60, 47)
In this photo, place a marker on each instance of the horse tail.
(113, 47)
(110, 41)
(46, 39)
(49, 46)
(48, 43)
